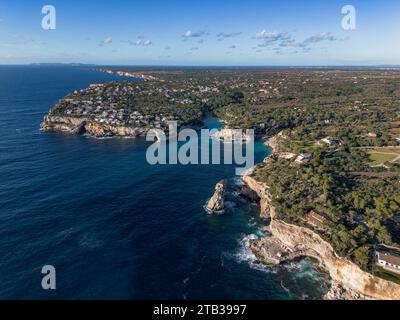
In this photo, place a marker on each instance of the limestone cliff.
(298, 241)
(341, 270)
(261, 190)
(76, 125)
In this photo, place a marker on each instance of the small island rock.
(217, 202)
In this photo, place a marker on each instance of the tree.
(362, 256)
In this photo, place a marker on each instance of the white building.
(304, 157)
(388, 260)
(329, 141)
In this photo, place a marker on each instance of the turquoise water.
(112, 225)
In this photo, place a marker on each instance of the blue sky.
(155, 32)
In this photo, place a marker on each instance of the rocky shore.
(288, 242)
(75, 125)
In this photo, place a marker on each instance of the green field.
(387, 275)
(380, 156)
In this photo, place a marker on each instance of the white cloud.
(141, 42)
(279, 40)
(267, 35)
(323, 36)
(222, 35)
(194, 34)
(107, 40)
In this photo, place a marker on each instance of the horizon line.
(205, 65)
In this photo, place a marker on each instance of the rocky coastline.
(129, 74)
(81, 125)
(288, 242)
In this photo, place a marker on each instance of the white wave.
(245, 255)
(211, 212)
(237, 181)
(252, 223)
(108, 137)
(284, 288)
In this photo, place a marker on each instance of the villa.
(303, 157)
(329, 141)
(388, 260)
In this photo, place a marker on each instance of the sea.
(112, 225)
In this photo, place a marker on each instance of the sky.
(207, 32)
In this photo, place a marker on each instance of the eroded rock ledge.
(76, 125)
(289, 242)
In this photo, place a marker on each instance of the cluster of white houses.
(114, 104)
(120, 103)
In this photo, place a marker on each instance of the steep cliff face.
(299, 241)
(84, 125)
(59, 123)
(341, 270)
(261, 189)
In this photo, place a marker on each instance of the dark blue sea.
(113, 226)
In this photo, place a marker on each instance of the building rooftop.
(389, 257)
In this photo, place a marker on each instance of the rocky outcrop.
(217, 202)
(338, 292)
(271, 251)
(292, 241)
(75, 125)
